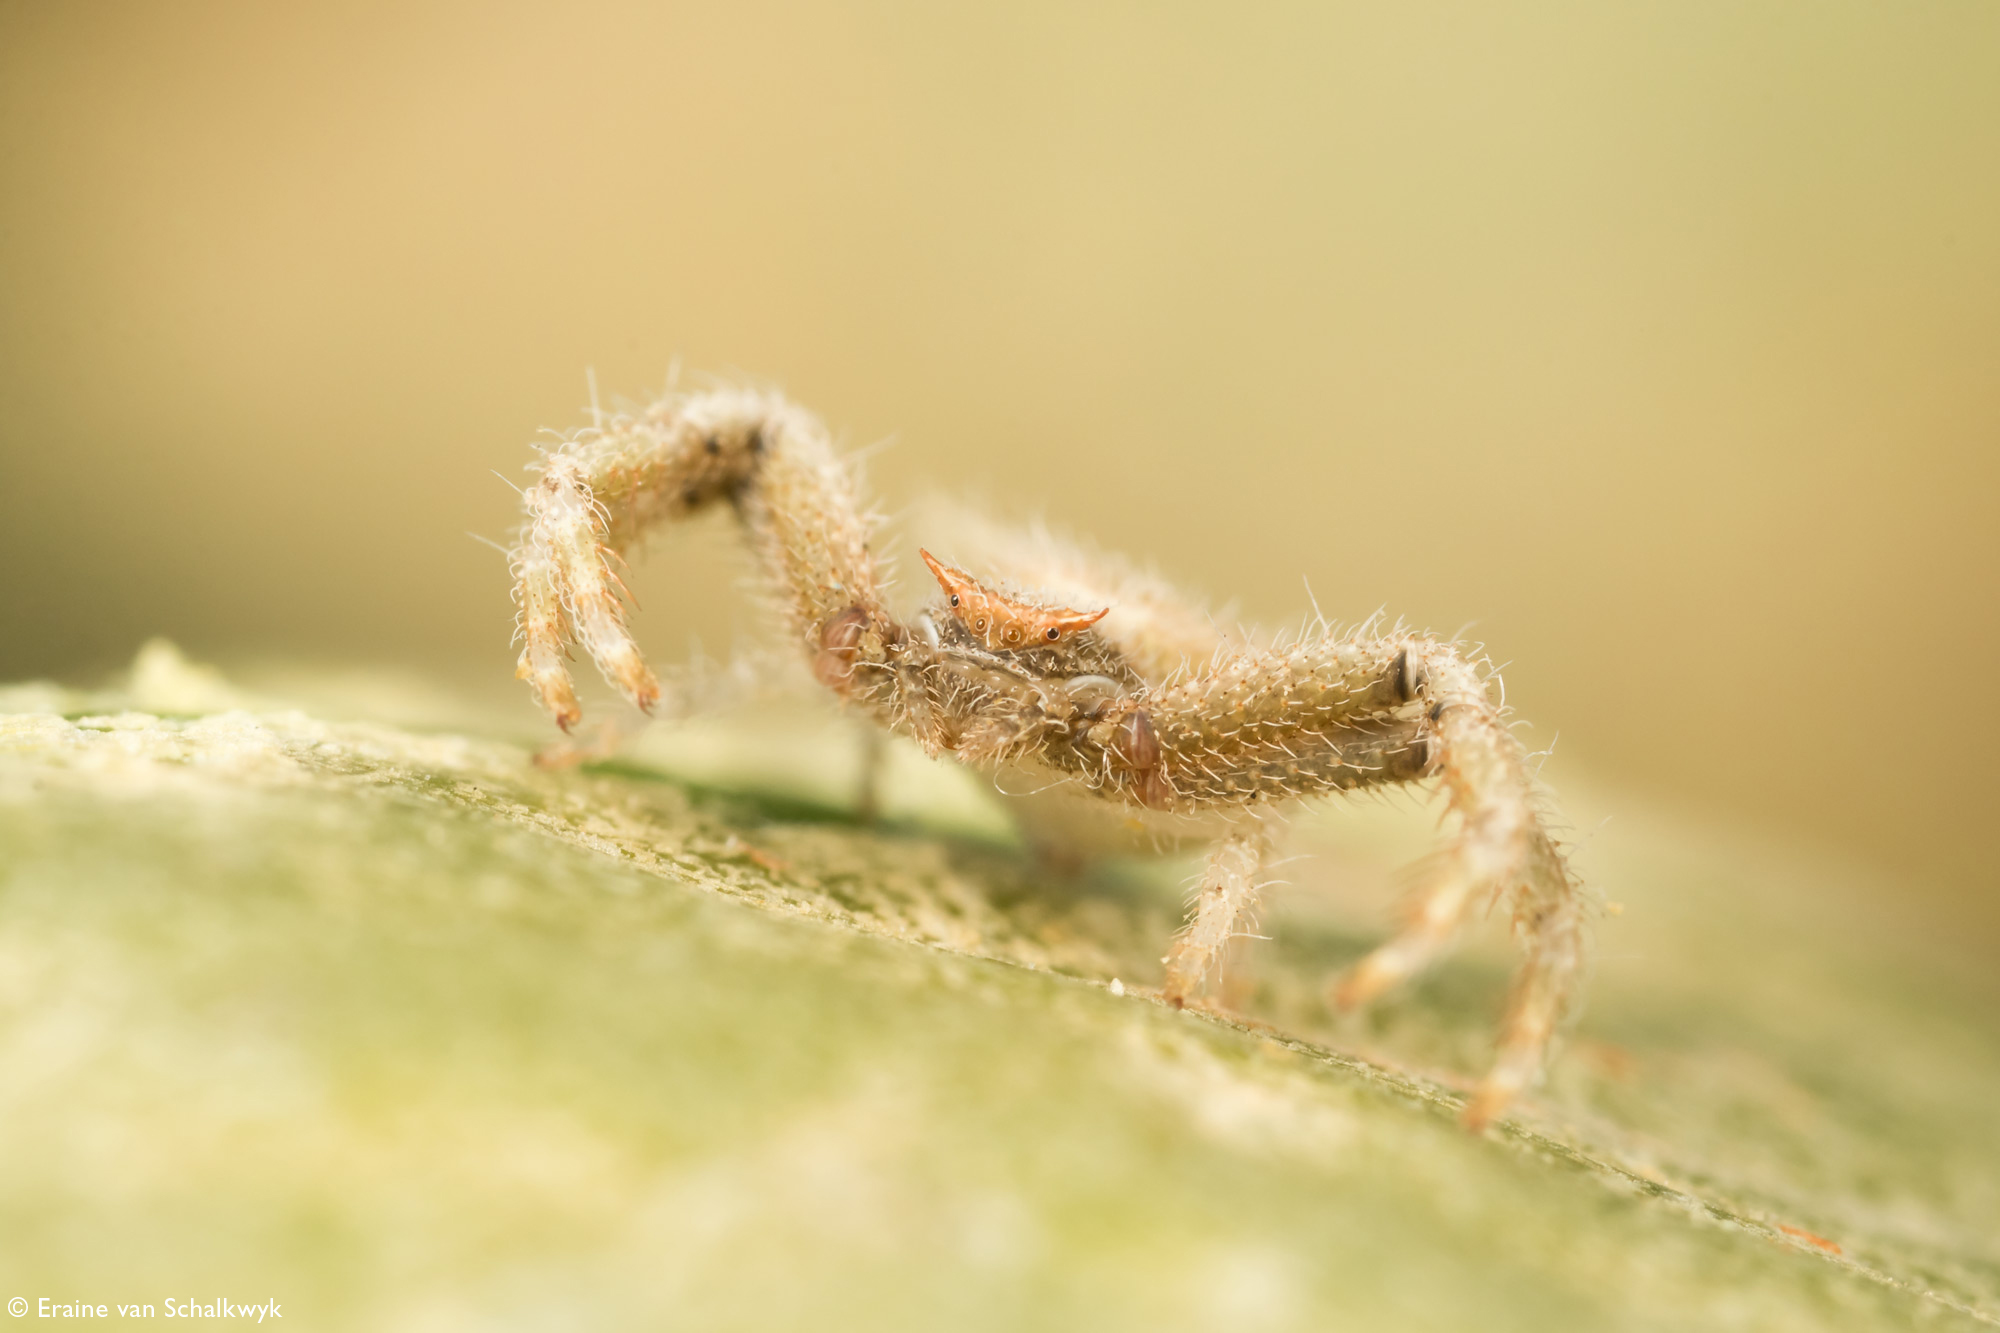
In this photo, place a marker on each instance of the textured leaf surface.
(394, 1027)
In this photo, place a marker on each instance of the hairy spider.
(1142, 701)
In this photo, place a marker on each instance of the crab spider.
(1141, 702)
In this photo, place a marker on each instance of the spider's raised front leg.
(603, 488)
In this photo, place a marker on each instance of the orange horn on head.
(997, 609)
(1071, 621)
(951, 580)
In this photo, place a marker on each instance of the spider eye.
(980, 624)
(1012, 634)
(954, 599)
(1054, 634)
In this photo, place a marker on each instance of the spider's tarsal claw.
(629, 672)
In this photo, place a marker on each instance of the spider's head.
(1003, 622)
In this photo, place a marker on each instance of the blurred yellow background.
(1662, 342)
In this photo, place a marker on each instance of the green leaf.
(391, 1026)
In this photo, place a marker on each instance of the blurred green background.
(1658, 340)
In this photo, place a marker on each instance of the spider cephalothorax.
(1144, 702)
